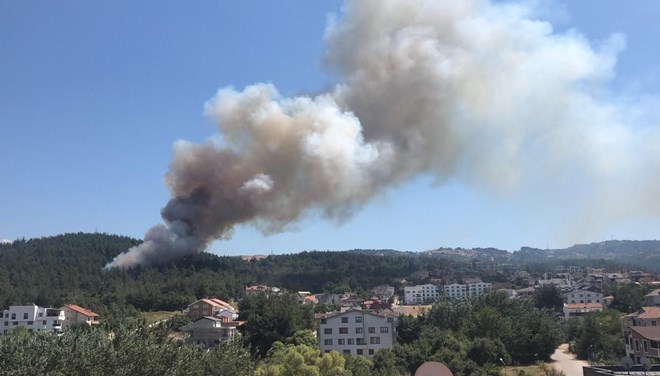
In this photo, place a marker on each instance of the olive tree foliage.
(123, 351)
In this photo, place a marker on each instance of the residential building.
(357, 332)
(383, 292)
(78, 315)
(583, 296)
(642, 334)
(208, 331)
(580, 309)
(652, 298)
(32, 317)
(326, 298)
(476, 287)
(420, 294)
(211, 307)
(471, 287)
(456, 290)
(257, 289)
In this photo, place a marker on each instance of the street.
(566, 362)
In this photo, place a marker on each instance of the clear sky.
(94, 94)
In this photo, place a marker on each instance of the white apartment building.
(456, 291)
(583, 297)
(470, 289)
(478, 288)
(420, 294)
(357, 332)
(34, 318)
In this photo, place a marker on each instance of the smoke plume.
(484, 92)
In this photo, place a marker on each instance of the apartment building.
(456, 290)
(420, 294)
(357, 332)
(642, 334)
(472, 288)
(32, 317)
(582, 297)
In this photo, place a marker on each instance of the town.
(379, 322)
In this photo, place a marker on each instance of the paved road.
(566, 362)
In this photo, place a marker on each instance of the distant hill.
(642, 253)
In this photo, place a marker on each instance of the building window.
(324, 321)
(374, 340)
(654, 344)
(359, 341)
(372, 329)
(371, 351)
(358, 318)
(341, 341)
(358, 330)
(14, 322)
(25, 315)
(646, 346)
(344, 320)
(327, 342)
(13, 316)
(384, 329)
(30, 322)
(41, 314)
(351, 341)
(327, 331)
(346, 351)
(390, 319)
(343, 330)
(45, 322)
(654, 323)
(360, 352)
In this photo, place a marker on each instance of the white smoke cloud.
(484, 92)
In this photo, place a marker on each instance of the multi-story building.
(211, 307)
(383, 292)
(78, 315)
(580, 309)
(476, 287)
(357, 332)
(420, 294)
(641, 331)
(456, 290)
(34, 318)
(471, 288)
(652, 298)
(209, 331)
(582, 297)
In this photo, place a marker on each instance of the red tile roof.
(81, 310)
(650, 313)
(649, 332)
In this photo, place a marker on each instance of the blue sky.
(94, 94)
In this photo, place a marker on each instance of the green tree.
(548, 297)
(271, 318)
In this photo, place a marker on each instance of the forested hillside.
(69, 269)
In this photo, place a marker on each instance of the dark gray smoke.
(471, 90)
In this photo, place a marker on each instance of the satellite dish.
(646, 363)
(627, 363)
(433, 369)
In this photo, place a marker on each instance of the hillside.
(644, 254)
(68, 268)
